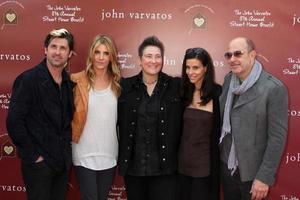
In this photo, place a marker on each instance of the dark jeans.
(44, 183)
(94, 184)
(191, 188)
(233, 187)
(150, 187)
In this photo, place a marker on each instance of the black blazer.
(34, 120)
(169, 123)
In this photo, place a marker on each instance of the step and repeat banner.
(273, 25)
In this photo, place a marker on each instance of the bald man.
(254, 110)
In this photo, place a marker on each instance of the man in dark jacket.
(39, 117)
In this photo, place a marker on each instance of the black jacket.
(169, 122)
(35, 121)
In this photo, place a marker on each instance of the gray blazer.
(259, 121)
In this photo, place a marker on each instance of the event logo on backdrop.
(114, 14)
(294, 113)
(292, 158)
(10, 14)
(116, 193)
(292, 67)
(10, 17)
(14, 57)
(198, 19)
(63, 13)
(4, 100)
(125, 60)
(12, 188)
(289, 197)
(296, 20)
(252, 19)
(8, 149)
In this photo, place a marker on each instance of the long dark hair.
(208, 81)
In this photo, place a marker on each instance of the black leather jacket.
(169, 122)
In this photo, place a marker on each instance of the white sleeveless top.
(97, 148)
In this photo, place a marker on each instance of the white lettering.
(296, 20)
(113, 14)
(292, 158)
(14, 57)
(169, 62)
(289, 72)
(12, 188)
(236, 24)
(48, 19)
(291, 197)
(266, 25)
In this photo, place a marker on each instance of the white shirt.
(97, 148)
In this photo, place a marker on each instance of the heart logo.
(10, 17)
(8, 149)
(199, 21)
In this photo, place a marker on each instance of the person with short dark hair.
(149, 119)
(39, 120)
(199, 148)
(254, 110)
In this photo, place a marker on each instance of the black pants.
(191, 188)
(150, 187)
(44, 183)
(94, 184)
(233, 187)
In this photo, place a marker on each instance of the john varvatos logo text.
(14, 57)
(296, 20)
(12, 188)
(292, 158)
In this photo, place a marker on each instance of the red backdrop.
(273, 25)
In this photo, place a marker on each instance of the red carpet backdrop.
(180, 24)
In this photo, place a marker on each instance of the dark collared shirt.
(65, 112)
(146, 145)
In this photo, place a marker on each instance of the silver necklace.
(149, 83)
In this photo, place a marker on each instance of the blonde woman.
(95, 143)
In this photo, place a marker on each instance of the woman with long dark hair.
(198, 164)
